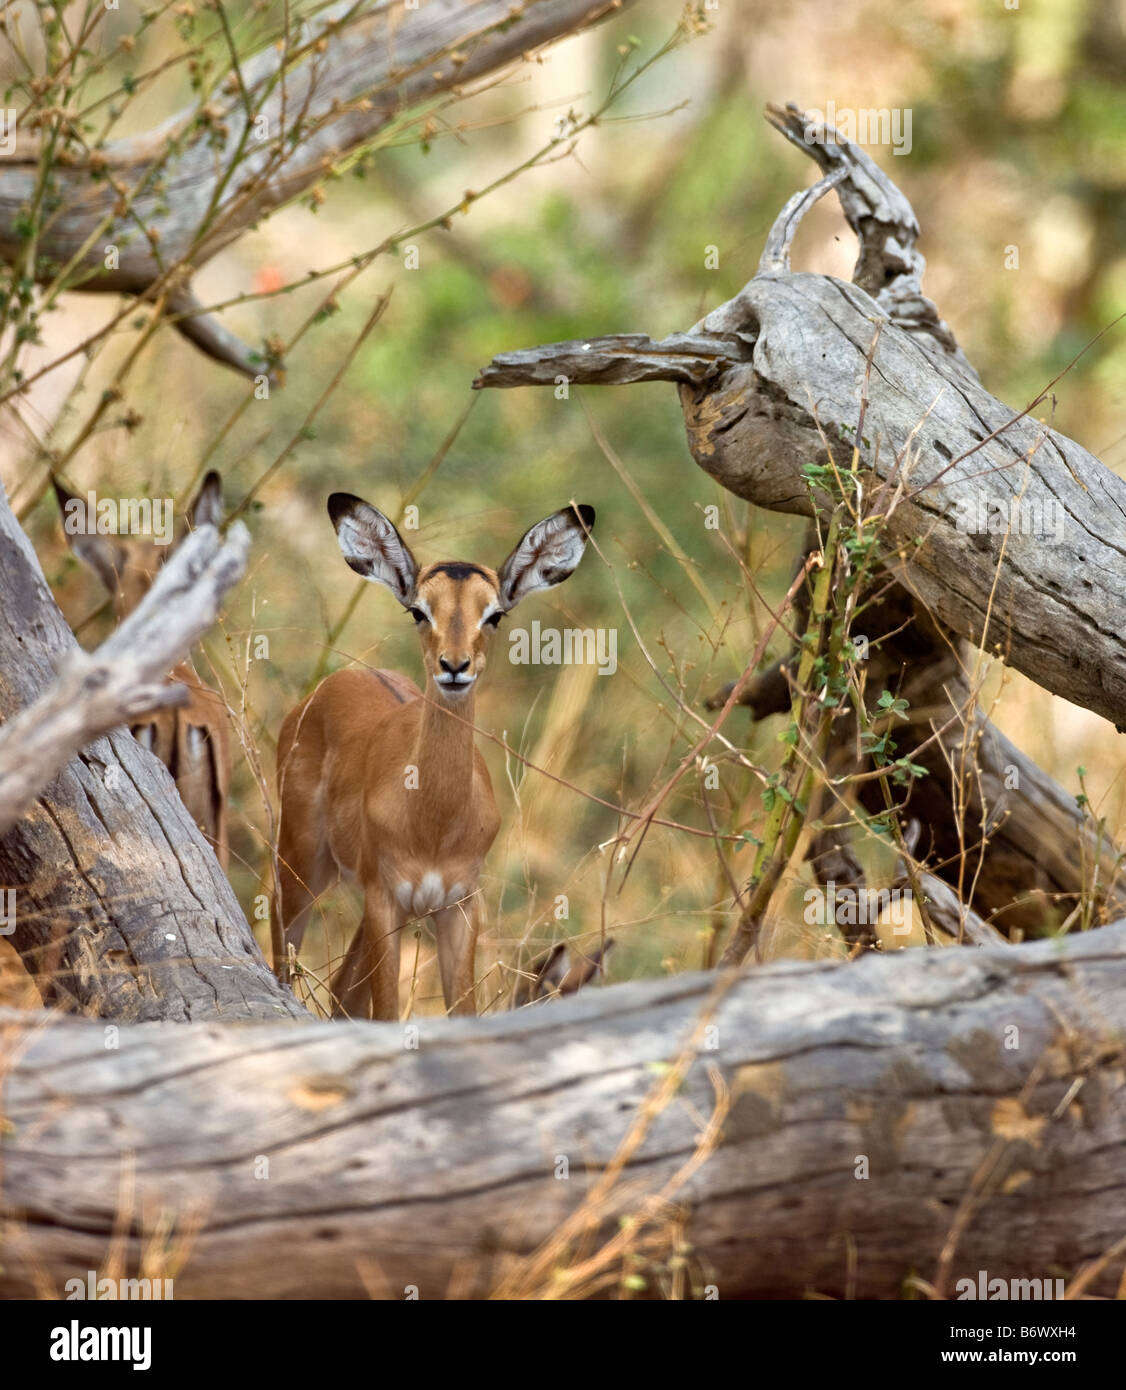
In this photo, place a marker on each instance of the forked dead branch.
(784, 363)
(770, 384)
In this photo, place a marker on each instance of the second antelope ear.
(207, 507)
(96, 552)
(550, 968)
(372, 546)
(548, 553)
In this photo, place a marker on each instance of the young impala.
(383, 783)
(193, 742)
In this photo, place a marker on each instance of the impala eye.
(493, 620)
(418, 615)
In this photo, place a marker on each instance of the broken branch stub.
(890, 266)
(618, 359)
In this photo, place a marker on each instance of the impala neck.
(444, 755)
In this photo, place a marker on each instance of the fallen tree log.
(926, 1114)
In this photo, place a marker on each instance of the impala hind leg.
(455, 929)
(305, 870)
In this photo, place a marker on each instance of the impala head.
(457, 606)
(127, 564)
(562, 969)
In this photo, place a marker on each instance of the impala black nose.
(451, 669)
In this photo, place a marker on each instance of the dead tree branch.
(297, 109)
(764, 381)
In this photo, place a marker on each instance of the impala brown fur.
(193, 742)
(382, 783)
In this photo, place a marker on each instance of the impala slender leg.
(222, 843)
(455, 929)
(377, 955)
(304, 872)
(351, 983)
(292, 903)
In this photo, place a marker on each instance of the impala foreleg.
(455, 929)
(300, 879)
(289, 914)
(372, 962)
(304, 871)
(351, 982)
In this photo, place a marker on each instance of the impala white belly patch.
(428, 895)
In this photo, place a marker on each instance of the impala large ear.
(207, 506)
(549, 969)
(99, 553)
(547, 554)
(372, 546)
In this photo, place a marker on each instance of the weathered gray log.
(324, 90)
(1050, 604)
(1054, 608)
(121, 907)
(874, 1106)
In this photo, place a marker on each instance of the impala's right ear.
(372, 546)
(582, 969)
(98, 552)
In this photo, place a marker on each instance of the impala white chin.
(455, 688)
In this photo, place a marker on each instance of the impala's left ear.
(547, 554)
(207, 507)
